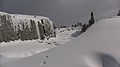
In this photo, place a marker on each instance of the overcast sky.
(63, 12)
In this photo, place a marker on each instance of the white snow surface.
(18, 49)
(102, 38)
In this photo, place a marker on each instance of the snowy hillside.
(24, 27)
(22, 36)
(21, 49)
(99, 46)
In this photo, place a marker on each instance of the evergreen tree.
(41, 31)
(27, 32)
(75, 25)
(118, 14)
(84, 28)
(1, 34)
(54, 33)
(5, 29)
(42, 21)
(23, 35)
(79, 24)
(91, 21)
(10, 29)
(47, 28)
(19, 32)
(33, 30)
(15, 33)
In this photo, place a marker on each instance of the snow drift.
(99, 46)
(24, 27)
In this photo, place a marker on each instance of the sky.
(63, 12)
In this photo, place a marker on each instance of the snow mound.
(102, 38)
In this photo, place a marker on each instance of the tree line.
(24, 31)
(83, 26)
(90, 22)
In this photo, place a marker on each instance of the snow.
(84, 51)
(64, 35)
(3, 13)
(16, 50)
(21, 49)
(18, 18)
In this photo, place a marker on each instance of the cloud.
(62, 12)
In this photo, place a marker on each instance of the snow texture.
(18, 49)
(98, 43)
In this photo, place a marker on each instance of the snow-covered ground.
(21, 49)
(99, 46)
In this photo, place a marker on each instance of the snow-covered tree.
(41, 31)
(33, 29)
(24, 29)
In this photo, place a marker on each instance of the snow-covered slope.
(99, 43)
(21, 49)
